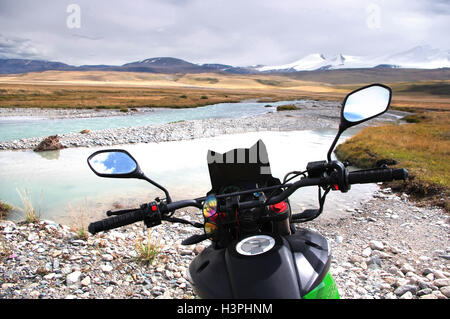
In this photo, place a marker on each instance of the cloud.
(13, 47)
(230, 32)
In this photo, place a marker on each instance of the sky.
(235, 32)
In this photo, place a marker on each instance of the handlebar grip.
(116, 221)
(377, 175)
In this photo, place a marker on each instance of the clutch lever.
(120, 212)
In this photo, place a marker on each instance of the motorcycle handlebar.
(355, 177)
(116, 221)
(377, 175)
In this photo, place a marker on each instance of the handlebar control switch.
(152, 215)
(279, 208)
(315, 169)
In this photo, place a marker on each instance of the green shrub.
(287, 107)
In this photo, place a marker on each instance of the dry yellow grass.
(127, 90)
(109, 89)
(422, 147)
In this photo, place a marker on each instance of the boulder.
(50, 143)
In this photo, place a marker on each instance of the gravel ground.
(387, 248)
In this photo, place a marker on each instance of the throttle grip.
(377, 175)
(116, 221)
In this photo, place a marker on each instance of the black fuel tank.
(295, 265)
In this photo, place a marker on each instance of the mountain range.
(421, 57)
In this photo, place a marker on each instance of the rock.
(407, 295)
(5, 286)
(356, 259)
(50, 143)
(374, 263)
(49, 276)
(198, 249)
(407, 268)
(390, 295)
(33, 237)
(376, 245)
(445, 291)
(34, 294)
(86, 281)
(429, 296)
(430, 277)
(441, 282)
(73, 278)
(106, 268)
(185, 252)
(85, 131)
(439, 274)
(107, 257)
(424, 292)
(438, 294)
(400, 291)
(109, 290)
(367, 252)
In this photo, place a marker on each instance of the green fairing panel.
(325, 290)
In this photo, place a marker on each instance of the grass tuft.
(147, 250)
(31, 215)
(79, 221)
(5, 208)
(287, 107)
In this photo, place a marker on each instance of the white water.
(65, 179)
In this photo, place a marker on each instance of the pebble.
(106, 268)
(73, 278)
(86, 281)
(381, 262)
(376, 245)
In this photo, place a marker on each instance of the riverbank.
(18, 113)
(311, 115)
(421, 146)
(388, 248)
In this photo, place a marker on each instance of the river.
(61, 185)
(19, 127)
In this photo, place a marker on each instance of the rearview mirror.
(362, 105)
(119, 164)
(365, 103)
(113, 163)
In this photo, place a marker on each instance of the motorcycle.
(256, 251)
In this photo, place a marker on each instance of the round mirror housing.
(114, 163)
(364, 104)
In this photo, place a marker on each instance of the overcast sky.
(236, 32)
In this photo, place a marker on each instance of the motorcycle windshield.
(239, 169)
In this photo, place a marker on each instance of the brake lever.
(194, 239)
(182, 221)
(120, 212)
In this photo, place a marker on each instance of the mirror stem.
(142, 176)
(336, 139)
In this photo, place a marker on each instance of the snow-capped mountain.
(310, 62)
(421, 57)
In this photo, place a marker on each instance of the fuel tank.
(263, 266)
